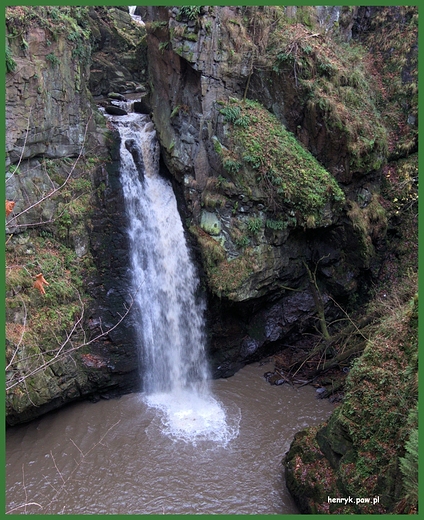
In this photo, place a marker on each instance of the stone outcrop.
(119, 58)
(357, 452)
(254, 242)
(68, 222)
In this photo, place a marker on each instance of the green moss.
(191, 36)
(212, 251)
(10, 62)
(334, 84)
(369, 223)
(212, 200)
(39, 324)
(229, 275)
(224, 276)
(375, 410)
(398, 98)
(371, 433)
(287, 173)
(71, 21)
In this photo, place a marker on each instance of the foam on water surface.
(191, 417)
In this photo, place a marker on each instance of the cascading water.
(169, 313)
(136, 18)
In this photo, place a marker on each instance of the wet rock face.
(252, 260)
(110, 288)
(45, 93)
(251, 333)
(49, 118)
(119, 58)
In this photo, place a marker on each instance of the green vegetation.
(333, 80)
(338, 83)
(393, 57)
(276, 225)
(71, 21)
(409, 465)
(10, 62)
(190, 12)
(224, 276)
(375, 410)
(232, 166)
(163, 45)
(287, 173)
(370, 223)
(37, 325)
(372, 433)
(54, 60)
(254, 225)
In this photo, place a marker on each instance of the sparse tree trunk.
(319, 304)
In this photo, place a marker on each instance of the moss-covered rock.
(265, 156)
(63, 193)
(364, 440)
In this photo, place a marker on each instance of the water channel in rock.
(168, 307)
(115, 457)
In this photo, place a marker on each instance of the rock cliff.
(291, 137)
(234, 92)
(68, 220)
(272, 125)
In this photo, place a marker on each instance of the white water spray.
(136, 18)
(165, 284)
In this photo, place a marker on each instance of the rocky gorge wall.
(68, 221)
(262, 208)
(290, 134)
(282, 254)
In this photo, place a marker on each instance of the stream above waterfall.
(114, 457)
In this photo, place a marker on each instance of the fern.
(254, 225)
(231, 114)
(242, 121)
(232, 166)
(190, 11)
(409, 468)
(10, 62)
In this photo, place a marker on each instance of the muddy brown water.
(115, 457)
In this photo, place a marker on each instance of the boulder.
(115, 111)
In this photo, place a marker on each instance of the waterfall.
(169, 313)
(136, 18)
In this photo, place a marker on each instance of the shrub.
(54, 60)
(254, 225)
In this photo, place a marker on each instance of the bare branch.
(9, 511)
(44, 222)
(55, 465)
(61, 352)
(23, 148)
(22, 335)
(55, 190)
